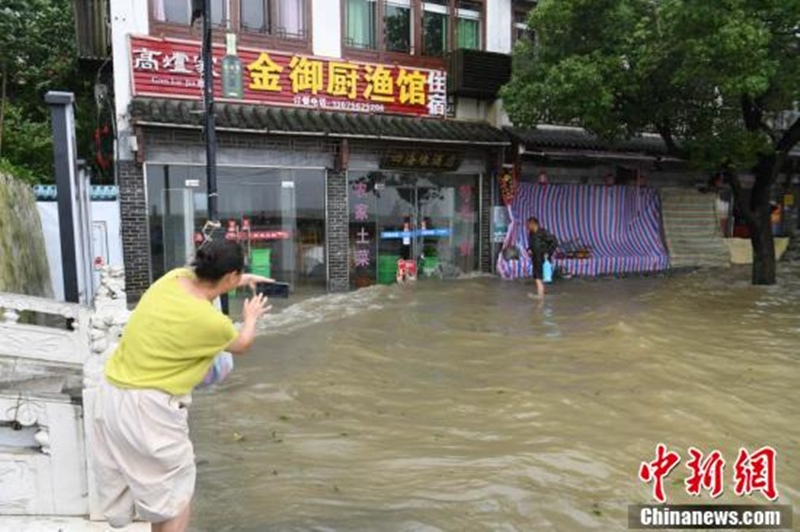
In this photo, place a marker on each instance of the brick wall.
(337, 232)
(135, 236)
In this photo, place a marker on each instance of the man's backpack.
(552, 243)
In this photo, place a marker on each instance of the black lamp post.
(202, 9)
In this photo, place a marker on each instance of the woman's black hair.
(534, 220)
(217, 258)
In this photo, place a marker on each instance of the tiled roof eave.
(243, 118)
(597, 154)
(578, 140)
(322, 134)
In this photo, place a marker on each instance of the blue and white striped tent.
(619, 225)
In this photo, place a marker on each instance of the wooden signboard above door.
(422, 159)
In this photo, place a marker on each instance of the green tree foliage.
(38, 54)
(715, 79)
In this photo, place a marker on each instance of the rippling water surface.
(469, 405)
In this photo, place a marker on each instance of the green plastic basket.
(261, 262)
(387, 269)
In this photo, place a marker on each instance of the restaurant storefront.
(326, 186)
(431, 219)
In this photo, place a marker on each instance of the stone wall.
(23, 260)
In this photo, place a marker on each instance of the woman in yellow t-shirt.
(143, 458)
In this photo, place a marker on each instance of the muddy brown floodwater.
(468, 405)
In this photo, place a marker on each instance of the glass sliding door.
(447, 233)
(431, 219)
(178, 227)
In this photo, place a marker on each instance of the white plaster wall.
(127, 17)
(471, 109)
(497, 115)
(327, 28)
(498, 26)
(105, 213)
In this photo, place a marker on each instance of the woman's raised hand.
(255, 307)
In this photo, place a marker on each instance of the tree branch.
(751, 114)
(664, 129)
(754, 117)
(790, 138)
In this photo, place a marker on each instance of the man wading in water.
(540, 243)
(143, 459)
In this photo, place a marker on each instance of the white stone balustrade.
(51, 361)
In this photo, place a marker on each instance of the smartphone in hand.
(280, 290)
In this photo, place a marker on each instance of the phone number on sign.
(339, 105)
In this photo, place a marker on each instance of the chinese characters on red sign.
(173, 68)
(362, 258)
(751, 473)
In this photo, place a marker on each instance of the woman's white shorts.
(142, 457)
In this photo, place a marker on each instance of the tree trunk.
(760, 223)
(764, 262)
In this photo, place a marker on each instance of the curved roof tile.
(167, 112)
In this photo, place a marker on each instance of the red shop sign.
(252, 236)
(173, 68)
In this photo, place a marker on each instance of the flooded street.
(469, 405)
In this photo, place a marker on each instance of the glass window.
(278, 215)
(219, 13)
(175, 11)
(468, 25)
(361, 22)
(398, 29)
(520, 25)
(291, 18)
(254, 15)
(180, 11)
(176, 213)
(435, 27)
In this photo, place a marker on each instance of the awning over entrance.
(574, 142)
(284, 121)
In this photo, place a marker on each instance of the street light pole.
(204, 7)
(210, 129)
